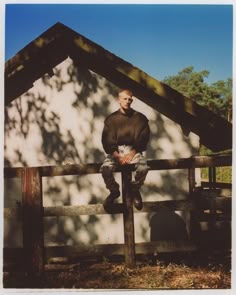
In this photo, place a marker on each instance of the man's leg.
(107, 169)
(141, 170)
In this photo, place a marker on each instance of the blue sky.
(159, 39)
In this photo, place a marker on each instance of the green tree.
(223, 90)
(217, 97)
(190, 83)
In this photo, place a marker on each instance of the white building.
(59, 119)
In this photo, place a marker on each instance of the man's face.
(125, 100)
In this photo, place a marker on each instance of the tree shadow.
(90, 101)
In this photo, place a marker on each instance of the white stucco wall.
(61, 119)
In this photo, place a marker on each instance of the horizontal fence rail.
(165, 164)
(106, 250)
(221, 203)
(31, 211)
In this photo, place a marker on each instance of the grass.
(111, 275)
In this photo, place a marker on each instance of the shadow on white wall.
(60, 120)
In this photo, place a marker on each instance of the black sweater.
(125, 129)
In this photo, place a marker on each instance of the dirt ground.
(115, 275)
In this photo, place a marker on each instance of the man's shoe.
(137, 200)
(109, 201)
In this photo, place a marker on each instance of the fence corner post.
(32, 209)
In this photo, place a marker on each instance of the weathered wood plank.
(85, 250)
(106, 249)
(224, 185)
(62, 267)
(191, 180)
(165, 247)
(204, 216)
(32, 213)
(97, 209)
(92, 209)
(193, 222)
(192, 162)
(175, 205)
(79, 169)
(35, 60)
(83, 169)
(15, 212)
(118, 249)
(205, 202)
(128, 219)
(200, 203)
(13, 172)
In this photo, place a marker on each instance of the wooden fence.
(34, 254)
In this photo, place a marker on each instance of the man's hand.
(126, 159)
(117, 156)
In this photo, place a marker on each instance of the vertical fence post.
(128, 216)
(32, 209)
(212, 187)
(212, 177)
(193, 219)
(192, 179)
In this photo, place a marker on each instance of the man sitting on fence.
(125, 136)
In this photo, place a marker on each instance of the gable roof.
(59, 42)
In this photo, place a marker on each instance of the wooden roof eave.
(214, 131)
(35, 60)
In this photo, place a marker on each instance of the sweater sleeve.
(109, 141)
(142, 137)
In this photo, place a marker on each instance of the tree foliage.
(217, 97)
